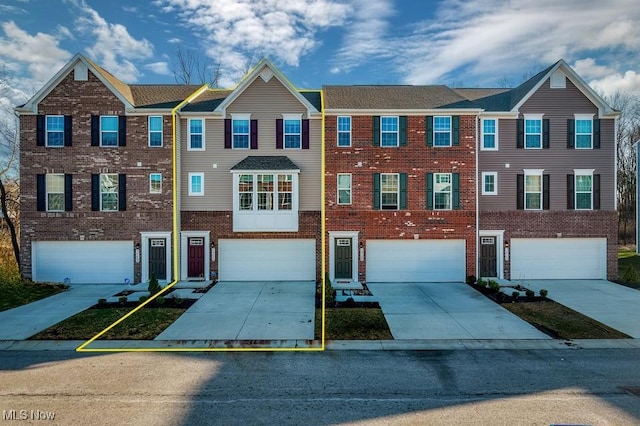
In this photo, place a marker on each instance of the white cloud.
(587, 68)
(4, 8)
(627, 82)
(161, 68)
(174, 40)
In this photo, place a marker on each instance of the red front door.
(195, 257)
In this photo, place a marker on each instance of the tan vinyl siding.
(557, 105)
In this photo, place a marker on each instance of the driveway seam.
(251, 309)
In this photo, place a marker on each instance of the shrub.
(494, 286)
(154, 286)
(122, 300)
(471, 279)
(159, 300)
(481, 282)
(530, 293)
(177, 300)
(143, 298)
(329, 292)
(515, 295)
(543, 292)
(102, 302)
(630, 275)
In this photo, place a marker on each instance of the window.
(265, 192)
(109, 192)
(196, 134)
(489, 134)
(108, 130)
(389, 188)
(240, 132)
(388, 131)
(532, 132)
(55, 130)
(344, 131)
(489, 183)
(584, 191)
(441, 131)
(584, 132)
(285, 191)
(196, 184)
(442, 191)
(292, 133)
(262, 187)
(344, 188)
(155, 183)
(55, 192)
(533, 191)
(245, 191)
(155, 131)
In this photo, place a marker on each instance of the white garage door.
(83, 262)
(267, 260)
(415, 260)
(558, 258)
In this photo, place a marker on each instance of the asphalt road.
(501, 387)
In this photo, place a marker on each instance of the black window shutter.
(429, 129)
(545, 133)
(596, 192)
(520, 192)
(68, 193)
(122, 130)
(95, 192)
(40, 130)
(227, 133)
(596, 134)
(376, 191)
(545, 192)
(403, 191)
(41, 190)
(305, 133)
(376, 130)
(95, 130)
(254, 134)
(122, 192)
(571, 133)
(429, 179)
(279, 131)
(520, 133)
(455, 130)
(67, 130)
(571, 195)
(403, 130)
(455, 196)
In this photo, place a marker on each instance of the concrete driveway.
(447, 311)
(249, 311)
(609, 303)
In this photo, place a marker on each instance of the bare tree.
(191, 68)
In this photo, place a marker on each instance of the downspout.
(322, 213)
(478, 201)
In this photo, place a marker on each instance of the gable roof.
(372, 97)
(160, 95)
(258, 162)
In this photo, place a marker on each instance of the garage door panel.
(83, 261)
(415, 260)
(267, 260)
(558, 258)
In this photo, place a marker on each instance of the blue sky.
(456, 42)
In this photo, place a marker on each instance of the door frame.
(333, 235)
(184, 250)
(144, 246)
(499, 236)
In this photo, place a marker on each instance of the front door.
(488, 257)
(343, 259)
(195, 257)
(158, 258)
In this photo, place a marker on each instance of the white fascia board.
(388, 112)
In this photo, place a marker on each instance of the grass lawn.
(628, 257)
(20, 293)
(353, 324)
(145, 324)
(562, 322)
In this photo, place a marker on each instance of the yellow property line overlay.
(176, 242)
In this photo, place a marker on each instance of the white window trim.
(533, 117)
(117, 192)
(333, 235)
(46, 132)
(482, 147)
(338, 131)
(397, 175)
(151, 191)
(397, 132)
(500, 250)
(286, 117)
(577, 117)
(161, 131)
(581, 172)
(110, 131)
(495, 183)
(350, 189)
(184, 259)
(450, 131)
(241, 117)
(450, 191)
(189, 148)
(145, 237)
(533, 172)
(191, 192)
(47, 192)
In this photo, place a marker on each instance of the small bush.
(471, 279)
(329, 292)
(159, 300)
(530, 293)
(122, 300)
(630, 275)
(481, 282)
(154, 285)
(494, 286)
(543, 292)
(515, 295)
(143, 298)
(102, 302)
(177, 300)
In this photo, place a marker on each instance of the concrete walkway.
(248, 311)
(609, 303)
(26, 320)
(447, 311)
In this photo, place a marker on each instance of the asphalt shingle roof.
(160, 95)
(389, 97)
(255, 162)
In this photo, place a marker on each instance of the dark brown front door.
(488, 257)
(158, 258)
(195, 257)
(343, 258)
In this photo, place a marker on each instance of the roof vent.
(558, 80)
(80, 72)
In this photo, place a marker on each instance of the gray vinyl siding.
(265, 102)
(557, 105)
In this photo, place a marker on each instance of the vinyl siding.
(557, 105)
